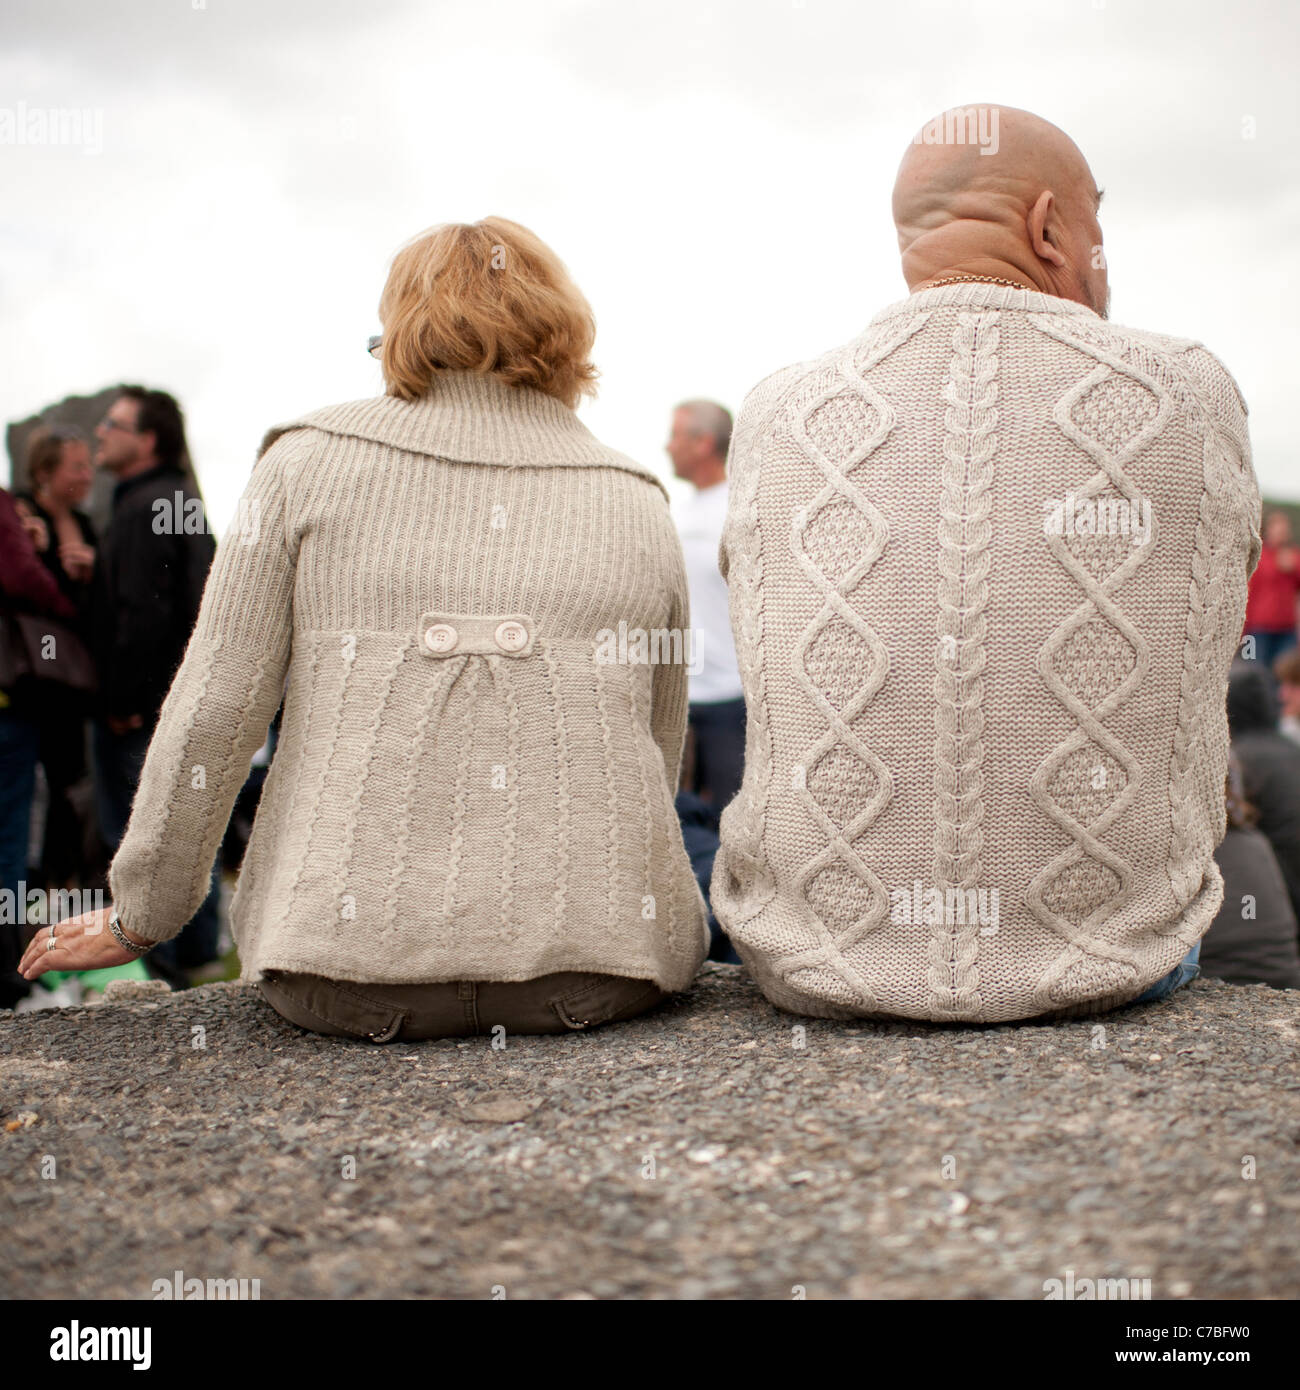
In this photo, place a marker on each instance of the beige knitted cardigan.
(465, 786)
(987, 742)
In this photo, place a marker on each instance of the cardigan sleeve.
(668, 691)
(217, 710)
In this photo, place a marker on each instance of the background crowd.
(92, 630)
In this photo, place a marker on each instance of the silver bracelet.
(134, 947)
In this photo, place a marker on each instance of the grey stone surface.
(697, 1152)
(118, 991)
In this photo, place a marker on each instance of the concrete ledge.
(697, 1152)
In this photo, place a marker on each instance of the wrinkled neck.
(969, 246)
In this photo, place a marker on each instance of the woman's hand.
(80, 943)
(78, 560)
(37, 530)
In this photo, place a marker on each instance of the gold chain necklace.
(980, 279)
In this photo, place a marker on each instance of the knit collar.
(474, 417)
(975, 294)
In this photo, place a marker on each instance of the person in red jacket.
(27, 586)
(1271, 598)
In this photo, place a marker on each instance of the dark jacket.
(78, 593)
(1253, 938)
(1270, 767)
(150, 569)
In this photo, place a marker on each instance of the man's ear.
(1036, 222)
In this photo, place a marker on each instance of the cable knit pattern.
(460, 804)
(737, 868)
(840, 663)
(438, 691)
(1019, 819)
(510, 837)
(1095, 660)
(647, 798)
(1200, 746)
(611, 816)
(563, 808)
(343, 894)
(460, 790)
(965, 504)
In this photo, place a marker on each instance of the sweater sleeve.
(668, 697)
(1223, 402)
(752, 420)
(216, 712)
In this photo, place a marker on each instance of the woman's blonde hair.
(45, 451)
(486, 296)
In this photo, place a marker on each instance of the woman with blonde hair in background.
(60, 475)
(469, 819)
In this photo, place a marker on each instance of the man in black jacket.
(150, 570)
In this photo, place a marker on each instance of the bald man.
(987, 567)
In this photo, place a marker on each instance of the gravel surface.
(698, 1152)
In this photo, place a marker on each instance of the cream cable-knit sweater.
(987, 566)
(466, 786)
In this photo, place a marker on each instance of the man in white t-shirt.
(698, 446)
(715, 761)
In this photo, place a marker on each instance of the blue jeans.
(719, 730)
(1270, 645)
(119, 760)
(19, 740)
(1183, 973)
(699, 823)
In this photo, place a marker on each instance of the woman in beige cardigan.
(481, 613)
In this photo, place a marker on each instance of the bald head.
(994, 191)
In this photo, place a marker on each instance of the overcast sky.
(716, 177)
